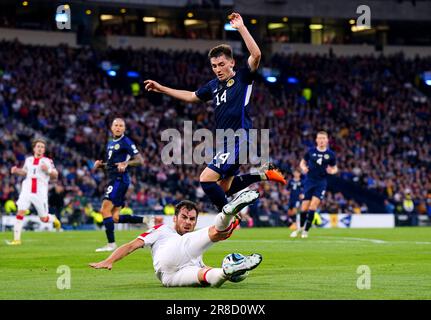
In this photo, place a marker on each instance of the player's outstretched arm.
(255, 53)
(18, 171)
(184, 95)
(118, 254)
(99, 164)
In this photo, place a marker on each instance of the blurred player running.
(230, 94)
(121, 153)
(177, 252)
(37, 170)
(317, 164)
(295, 186)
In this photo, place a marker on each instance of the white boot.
(107, 248)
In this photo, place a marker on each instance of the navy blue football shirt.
(295, 188)
(230, 99)
(119, 150)
(317, 162)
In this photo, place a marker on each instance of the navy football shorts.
(228, 160)
(116, 192)
(314, 189)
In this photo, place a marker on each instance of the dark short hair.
(189, 205)
(36, 141)
(220, 50)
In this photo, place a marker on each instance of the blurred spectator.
(378, 128)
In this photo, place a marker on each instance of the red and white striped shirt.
(36, 180)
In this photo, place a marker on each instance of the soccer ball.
(228, 262)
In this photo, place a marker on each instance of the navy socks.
(215, 193)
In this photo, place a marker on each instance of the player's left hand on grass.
(101, 265)
(122, 166)
(236, 20)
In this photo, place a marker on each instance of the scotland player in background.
(230, 94)
(295, 186)
(317, 164)
(121, 153)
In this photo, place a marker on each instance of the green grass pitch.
(323, 266)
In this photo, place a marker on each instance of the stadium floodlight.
(193, 22)
(112, 73)
(359, 28)
(316, 26)
(228, 27)
(271, 79)
(132, 74)
(149, 19)
(426, 76)
(105, 65)
(276, 25)
(105, 17)
(292, 80)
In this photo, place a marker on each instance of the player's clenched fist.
(121, 166)
(236, 20)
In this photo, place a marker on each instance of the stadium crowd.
(377, 121)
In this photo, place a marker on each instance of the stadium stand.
(377, 122)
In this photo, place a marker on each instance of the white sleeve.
(150, 236)
(25, 167)
(51, 164)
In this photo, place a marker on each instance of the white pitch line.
(293, 241)
(356, 239)
(336, 240)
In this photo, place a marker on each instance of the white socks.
(222, 221)
(215, 277)
(17, 228)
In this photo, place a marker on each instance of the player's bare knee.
(44, 219)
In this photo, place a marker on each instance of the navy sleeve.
(205, 93)
(332, 160)
(131, 148)
(246, 75)
(307, 156)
